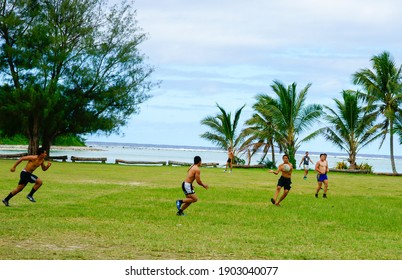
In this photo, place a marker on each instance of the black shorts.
(229, 160)
(284, 182)
(26, 177)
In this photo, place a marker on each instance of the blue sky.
(228, 51)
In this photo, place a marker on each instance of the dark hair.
(197, 160)
(41, 150)
(285, 155)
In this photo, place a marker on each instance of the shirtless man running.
(26, 175)
(322, 168)
(193, 173)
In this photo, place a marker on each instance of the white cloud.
(228, 51)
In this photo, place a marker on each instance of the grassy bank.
(105, 211)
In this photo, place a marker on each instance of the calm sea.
(149, 152)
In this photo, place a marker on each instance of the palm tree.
(260, 132)
(383, 86)
(351, 124)
(223, 129)
(290, 116)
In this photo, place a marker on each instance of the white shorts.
(305, 166)
(187, 188)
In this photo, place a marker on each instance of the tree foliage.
(260, 132)
(290, 116)
(351, 124)
(223, 130)
(383, 84)
(69, 67)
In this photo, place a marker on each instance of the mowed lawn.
(120, 212)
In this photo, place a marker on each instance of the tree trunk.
(46, 144)
(391, 145)
(352, 161)
(33, 136)
(248, 157)
(273, 154)
(33, 145)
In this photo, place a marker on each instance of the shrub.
(341, 165)
(239, 161)
(268, 163)
(364, 166)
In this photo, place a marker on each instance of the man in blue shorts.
(322, 169)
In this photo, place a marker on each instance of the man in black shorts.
(229, 162)
(284, 181)
(26, 175)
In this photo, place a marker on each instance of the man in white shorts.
(193, 173)
(306, 160)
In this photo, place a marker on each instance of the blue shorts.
(322, 177)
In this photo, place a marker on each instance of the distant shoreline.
(53, 148)
(104, 146)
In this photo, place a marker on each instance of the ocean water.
(149, 152)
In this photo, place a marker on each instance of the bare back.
(33, 163)
(192, 173)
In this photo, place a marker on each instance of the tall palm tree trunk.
(391, 146)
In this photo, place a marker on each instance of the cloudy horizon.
(226, 52)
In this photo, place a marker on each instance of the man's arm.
(277, 171)
(317, 167)
(45, 167)
(21, 160)
(198, 179)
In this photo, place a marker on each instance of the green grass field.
(105, 211)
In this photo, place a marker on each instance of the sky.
(226, 52)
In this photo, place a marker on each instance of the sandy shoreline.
(53, 148)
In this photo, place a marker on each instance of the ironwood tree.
(69, 67)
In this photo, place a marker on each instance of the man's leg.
(285, 193)
(38, 184)
(278, 189)
(325, 188)
(319, 185)
(190, 198)
(18, 189)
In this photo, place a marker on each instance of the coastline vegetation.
(119, 212)
(63, 140)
